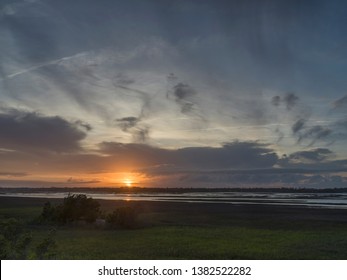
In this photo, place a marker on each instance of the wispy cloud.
(41, 65)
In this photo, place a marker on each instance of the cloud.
(13, 8)
(315, 133)
(265, 180)
(340, 103)
(13, 174)
(32, 131)
(127, 123)
(141, 134)
(182, 93)
(78, 181)
(298, 125)
(312, 156)
(290, 100)
(276, 100)
(123, 80)
(231, 164)
(42, 65)
(136, 152)
(230, 155)
(312, 134)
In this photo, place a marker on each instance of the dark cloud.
(142, 153)
(182, 94)
(289, 100)
(316, 155)
(84, 125)
(298, 125)
(276, 100)
(239, 157)
(127, 123)
(133, 125)
(230, 155)
(32, 131)
(183, 91)
(122, 79)
(141, 134)
(236, 162)
(314, 133)
(264, 180)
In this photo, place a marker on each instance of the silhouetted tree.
(49, 214)
(78, 207)
(75, 207)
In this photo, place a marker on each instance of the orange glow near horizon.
(127, 179)
(128, 182)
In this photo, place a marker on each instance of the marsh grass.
(185, 242)
(195, 235)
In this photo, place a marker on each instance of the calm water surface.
(322, 200)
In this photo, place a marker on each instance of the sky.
(173, 93)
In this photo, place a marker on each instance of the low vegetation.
(16, 242)
(165, 231)
(123, 217)
(76, 207)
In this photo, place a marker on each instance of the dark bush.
(76, 207)
(49, 214)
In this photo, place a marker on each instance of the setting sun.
(128, 182)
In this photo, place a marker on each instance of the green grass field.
(176, 242)
(195, 235)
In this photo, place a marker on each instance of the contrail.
(33, 68)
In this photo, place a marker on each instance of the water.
(321, 200)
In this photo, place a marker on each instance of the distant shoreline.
(165, 190)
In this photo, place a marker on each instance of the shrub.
(47, 248)
(76, 207)
(14, 239)
(16, 242)
(49, 214)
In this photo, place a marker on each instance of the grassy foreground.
(176, 231)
